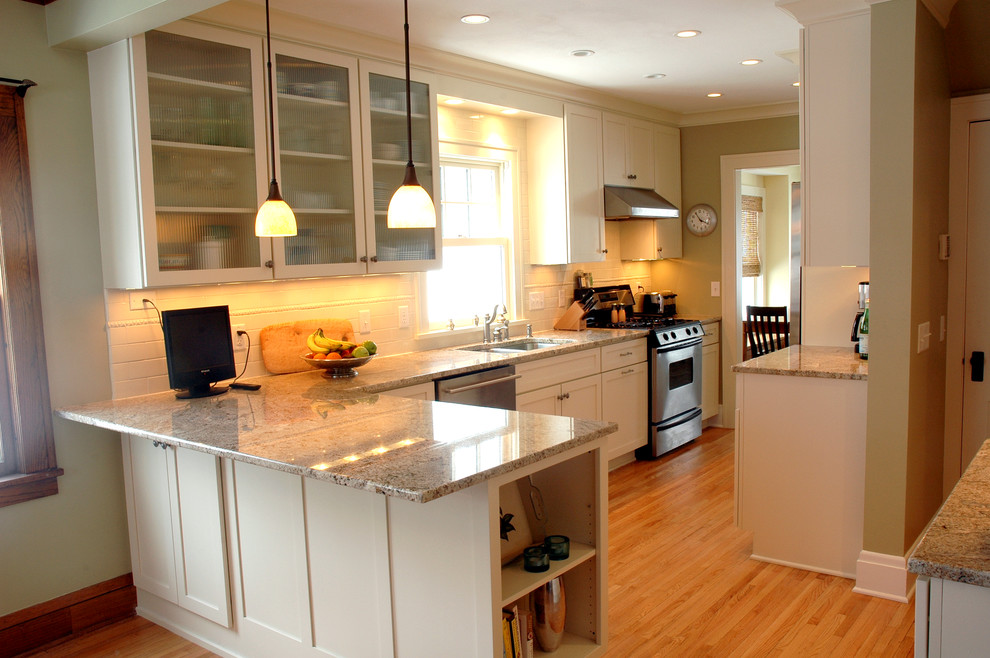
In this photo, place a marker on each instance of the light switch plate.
(924, 336)
(240, 342)
(561, 298)
(536, 300)
(364, 319)
(716, 288)
(403, 317)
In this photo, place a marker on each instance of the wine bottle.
(864, 333)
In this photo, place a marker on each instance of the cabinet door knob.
(364, 259)
(604, 251)
(374, 259)
(270, 265)
(631, 176)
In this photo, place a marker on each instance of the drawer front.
(624, 354)
(557, 369)
(712, 333)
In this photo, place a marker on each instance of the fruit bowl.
(339, 367)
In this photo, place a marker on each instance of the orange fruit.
(319, 356)
(333, 355)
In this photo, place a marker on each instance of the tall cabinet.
(179, 190)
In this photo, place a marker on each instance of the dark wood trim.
(73, 613)
(20, 487)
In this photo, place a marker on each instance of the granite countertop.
(703, 319)
(955, 545)
(808, 361)
(345, 431)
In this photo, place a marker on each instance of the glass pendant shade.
(275, 218)
(411, 205)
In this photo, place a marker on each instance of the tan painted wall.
(909, 165)
(59, 544)
(701, 147)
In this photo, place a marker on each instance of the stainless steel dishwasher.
(495, 387)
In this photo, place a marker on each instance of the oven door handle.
(679, 346)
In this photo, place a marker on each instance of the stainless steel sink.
(519, 345)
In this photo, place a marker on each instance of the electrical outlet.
(240, 342)
(364, 319)
(716, 289)
(403, 317)
(561, 298)
(536, 300)
(135, 299)
(924, 336)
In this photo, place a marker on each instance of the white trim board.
(884, 576)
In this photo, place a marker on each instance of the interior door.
(976, 388)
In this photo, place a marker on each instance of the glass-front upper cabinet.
(383, 94)
(319, 172)
(208, 158)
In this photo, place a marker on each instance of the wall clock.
(701, 220)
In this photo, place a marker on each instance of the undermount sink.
(519, 345)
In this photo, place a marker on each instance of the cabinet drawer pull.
(626, 354)
(631, 176)
(563, 396)
(628, 372)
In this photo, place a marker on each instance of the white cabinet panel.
(271, 545)
(625, 400)
(556, 369)
(582, 398)
(650, 239)
(628, 151)
(709, 380)
(415, 392)
(667, 177)
(541, 401)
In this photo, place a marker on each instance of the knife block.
(572, 319)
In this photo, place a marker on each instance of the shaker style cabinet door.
(386, 152)
(318, 147)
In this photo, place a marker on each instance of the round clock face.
(701, 219)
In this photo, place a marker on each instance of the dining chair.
(767, 329)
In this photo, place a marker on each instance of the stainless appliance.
(637, 203)
(864, 294)
(495, 387)
(674, 365)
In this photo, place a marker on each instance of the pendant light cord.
(271, 102)
(408, 92)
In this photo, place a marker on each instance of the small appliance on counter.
(660, 303)
(864, 295)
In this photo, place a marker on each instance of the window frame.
(758, 283)
(29, 469)
(507, 161)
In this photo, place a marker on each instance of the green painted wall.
(58, 544)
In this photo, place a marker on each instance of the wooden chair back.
(767, 329)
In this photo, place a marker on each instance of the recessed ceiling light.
(477, 116)
(509, 110)
(687, 34)
(454, 101)
(655, 76)
(475, 19)
(582, 53)
(751, 62)
(796, 84)
(714, 94)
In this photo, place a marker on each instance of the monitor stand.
(200, 391)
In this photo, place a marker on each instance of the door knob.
(976, 361)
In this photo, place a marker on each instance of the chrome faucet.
(487, 335)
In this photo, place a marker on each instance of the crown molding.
(789, 109)
(808, 12)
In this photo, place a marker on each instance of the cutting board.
(282, 344)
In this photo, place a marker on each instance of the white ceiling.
(631, 38)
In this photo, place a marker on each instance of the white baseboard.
(884, 576)
(799, 565)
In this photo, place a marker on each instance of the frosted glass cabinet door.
(207, 152)
(318, 136)
(383, 90)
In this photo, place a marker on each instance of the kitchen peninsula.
(257, 520)
(801, 456)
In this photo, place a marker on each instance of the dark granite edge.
(819, 374)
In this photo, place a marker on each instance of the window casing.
(27, 462)
(753, 251)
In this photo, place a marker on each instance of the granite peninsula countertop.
(345, 431)
(956, 545)
(808, 361)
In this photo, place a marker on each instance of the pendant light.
(411, 205)
(275, 218)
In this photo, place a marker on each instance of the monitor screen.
(198, 350)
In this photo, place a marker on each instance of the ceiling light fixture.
(510, 111)
(751, 62)
(275, 218)
(687, 34)
(655, 76)
(714, 94)
(583, 52)
(411, 205)
(475, 19)
(454, 101)
(796, 84)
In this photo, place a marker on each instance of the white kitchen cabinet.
(667, 176)
(578, 398)
(567, 205)
(710, 370)
(176, 527)
(425, 391)
(650, 239)
(950, 619)
(628, 151)
(625, 397)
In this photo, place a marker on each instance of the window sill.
(21, 487)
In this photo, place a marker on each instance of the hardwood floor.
(680, 581)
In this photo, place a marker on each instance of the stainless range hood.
(637, 203)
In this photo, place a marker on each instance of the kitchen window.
(753, 232)
(27, 447)
(476, 211)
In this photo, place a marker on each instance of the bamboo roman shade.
(752, 207)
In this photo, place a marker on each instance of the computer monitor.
(198, 350)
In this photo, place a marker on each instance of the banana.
(322, 341)
(332, 344)
(313, 347)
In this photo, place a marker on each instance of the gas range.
(665, 330)
(601, 301)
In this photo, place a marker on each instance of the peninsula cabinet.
(567, 206)
(181, 148)
(625, 396)
(628, 151)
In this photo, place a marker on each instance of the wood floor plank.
(680, 581)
